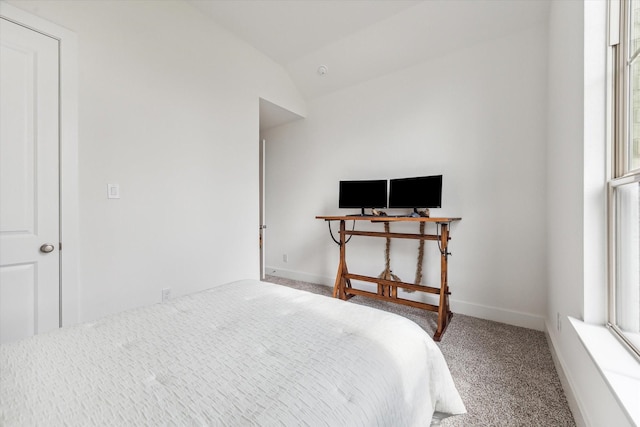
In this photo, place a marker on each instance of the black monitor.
(414, 193)
(363, 194)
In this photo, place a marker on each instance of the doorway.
(270, 117)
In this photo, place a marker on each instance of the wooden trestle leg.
(444, 313)
(342, 283)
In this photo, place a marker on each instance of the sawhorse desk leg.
(342, 283)
(444, 313)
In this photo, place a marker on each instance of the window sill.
(619, 368)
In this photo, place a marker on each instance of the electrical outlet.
(113, 191)
(285, 257)
(558, 321)
(166, 294)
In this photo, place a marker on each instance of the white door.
(29, 183)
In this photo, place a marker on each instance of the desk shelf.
(388, 289)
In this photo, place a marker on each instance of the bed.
(239, 354)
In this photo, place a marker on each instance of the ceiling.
(359, 40)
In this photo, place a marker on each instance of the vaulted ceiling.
(358, 40)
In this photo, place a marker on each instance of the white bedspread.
(244, 353)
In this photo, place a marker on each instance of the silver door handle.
(46, 248)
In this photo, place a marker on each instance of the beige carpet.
(504, 373)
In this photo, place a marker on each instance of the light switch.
(113, 191)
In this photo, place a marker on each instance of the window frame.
(620, 172)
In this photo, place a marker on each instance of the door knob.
(46, 248)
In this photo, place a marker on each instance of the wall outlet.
(166, 294)
(113, 191)
(285, 257)
(558, 321)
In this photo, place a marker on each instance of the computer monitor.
(363, 194)
(414, 193)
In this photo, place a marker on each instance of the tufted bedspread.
(241, 354)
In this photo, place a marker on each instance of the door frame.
(263, 206)
(68, 155)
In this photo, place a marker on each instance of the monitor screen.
(419, 192)
(363, 194)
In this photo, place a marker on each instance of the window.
(624, 185)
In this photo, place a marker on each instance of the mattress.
(240, 354)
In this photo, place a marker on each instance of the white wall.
(477, 116)
(168, 109)
(576, 202)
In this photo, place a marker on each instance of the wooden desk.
(388, 289)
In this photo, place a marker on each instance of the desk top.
(386, 218)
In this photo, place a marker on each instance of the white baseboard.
(501, 315)
(567, 384)
(296, 275)
(510, 317)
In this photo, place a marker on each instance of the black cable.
(334, 239)
(438, 233)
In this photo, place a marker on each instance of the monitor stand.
(416, 214)
(362, 213)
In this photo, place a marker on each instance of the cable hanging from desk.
(334, 239)
(443, 252)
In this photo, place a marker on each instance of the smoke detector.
(322, 70)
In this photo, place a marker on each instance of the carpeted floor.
(504, 373)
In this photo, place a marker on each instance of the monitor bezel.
(392, 205)
(381, 182)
